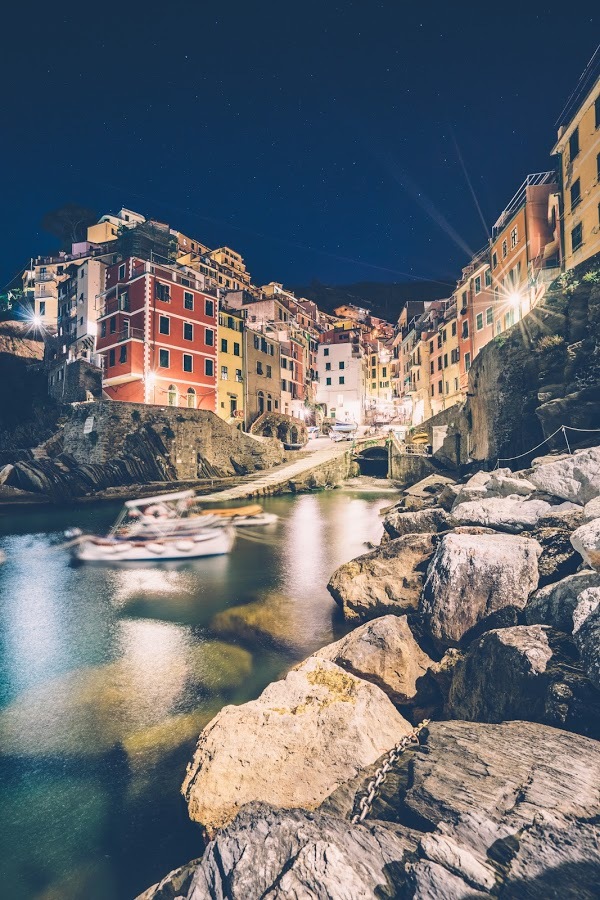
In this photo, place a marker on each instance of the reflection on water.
(107, 675)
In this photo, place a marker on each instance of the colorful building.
(262, 381)
(230, 373)
(341, 371)
(578, 150)
(157, 333)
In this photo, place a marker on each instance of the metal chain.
(366, 802)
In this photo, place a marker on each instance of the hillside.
(384, 300)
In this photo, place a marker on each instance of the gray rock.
(586, 625)
(591, 510)
(387, 580)
(174, 885)
(279, 855)
(385, 653)
(512, 514)
(586, 540)
(529, 671)
(575, 478)
(292, 746)
(426, 521)
(471, 577)
(554, 604)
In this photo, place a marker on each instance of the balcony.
(130, 334)
(113, 305)
(46, 276)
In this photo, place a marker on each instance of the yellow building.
(578, 147)
(230, 366)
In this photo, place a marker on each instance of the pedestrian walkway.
(268, 482)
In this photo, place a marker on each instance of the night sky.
(337, 141)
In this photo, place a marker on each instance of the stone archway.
(283, 432)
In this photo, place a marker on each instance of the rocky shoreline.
(479, 611)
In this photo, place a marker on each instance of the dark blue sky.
(321, 140)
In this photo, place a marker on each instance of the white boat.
(342, 427)
(239, 516)
(155, 528)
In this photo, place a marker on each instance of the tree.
(69, 223)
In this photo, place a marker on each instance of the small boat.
(155, 528)
(342, 427)
(240, 516)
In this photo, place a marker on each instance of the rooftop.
(519, 198)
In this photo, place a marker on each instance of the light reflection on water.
(108, 674)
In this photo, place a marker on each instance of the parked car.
(313, 432)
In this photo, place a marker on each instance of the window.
(439, 341)
(467, 361)
(479, 321)
(209, 367)
(259, 368)
(439, 363)
(326, 351)
(162, 292)
(123, 353)
(188, 300)
(489, 315)
(343, 365)
(456, 384)
(271, 350)
(432, 390)
(121, 272)
(440, 388)
(478, 284)
(209, 337)
(465, 329)
(341, 379)
(191, 398)
(256, 342)
(488, 278)
(504, 249)
(238, 374)
(383, 371)
(223, 345)
(163, 325)
(188, 331)
(224, 373)
(328, 367)
(431, 346)
(465, 299)
(111, 358)
(575, 194)
(577, 237)
(269, 403)
(209, 308)
(374, 385)
(454, 329)
(163, 359)
(328, 381)
(373, 373)
(236, 349)
(455, 355)
(269, 372)
(188, 362)
(574, 145)
(102, 327)
(494, 260)
(445, 360)
(172, 398)
(431, 368)
(598, 167)
(231, 323)
(514, 238)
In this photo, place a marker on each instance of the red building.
(157, 333)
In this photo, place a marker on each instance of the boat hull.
(215, 542)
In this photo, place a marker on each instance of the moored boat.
(205, 542)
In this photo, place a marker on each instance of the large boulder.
(512, 514)
(586, 631)
(425, 521)
(591, 510)
(529, 671)
(472, 577)
(292, 746)
(385, 652)
(386, 580)
(555, 604)
(575, 478)
(558, 558)
(586, 540)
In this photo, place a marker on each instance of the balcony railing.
(131, 334)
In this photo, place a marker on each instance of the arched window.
(191, 398)
(172, 395)
(269, 403)
(261, 402)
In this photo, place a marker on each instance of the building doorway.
(191, 398)
(172, 395)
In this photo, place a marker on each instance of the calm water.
(107, 676)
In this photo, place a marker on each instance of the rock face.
(586, 630)
(575, 478)
(511, 514)
(387, 580)
(398, 522)
(558, 558)
(385, 653)
(555, 604)
(292, 746)
(471, 577)
(277, 855)
(586, 540)
(526, 671)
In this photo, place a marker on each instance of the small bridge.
(372, 456)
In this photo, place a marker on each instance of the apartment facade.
(157, 334)
(341, 382)
(230, 372)
(578, 150)
(262, 382)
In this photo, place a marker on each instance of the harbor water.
(108, 674)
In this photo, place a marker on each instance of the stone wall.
(70, 383)
(406, 470)
(193, 442)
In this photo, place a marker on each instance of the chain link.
(366, 801)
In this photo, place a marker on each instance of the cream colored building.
(107, 227)
(578, 148)
(230, 366)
